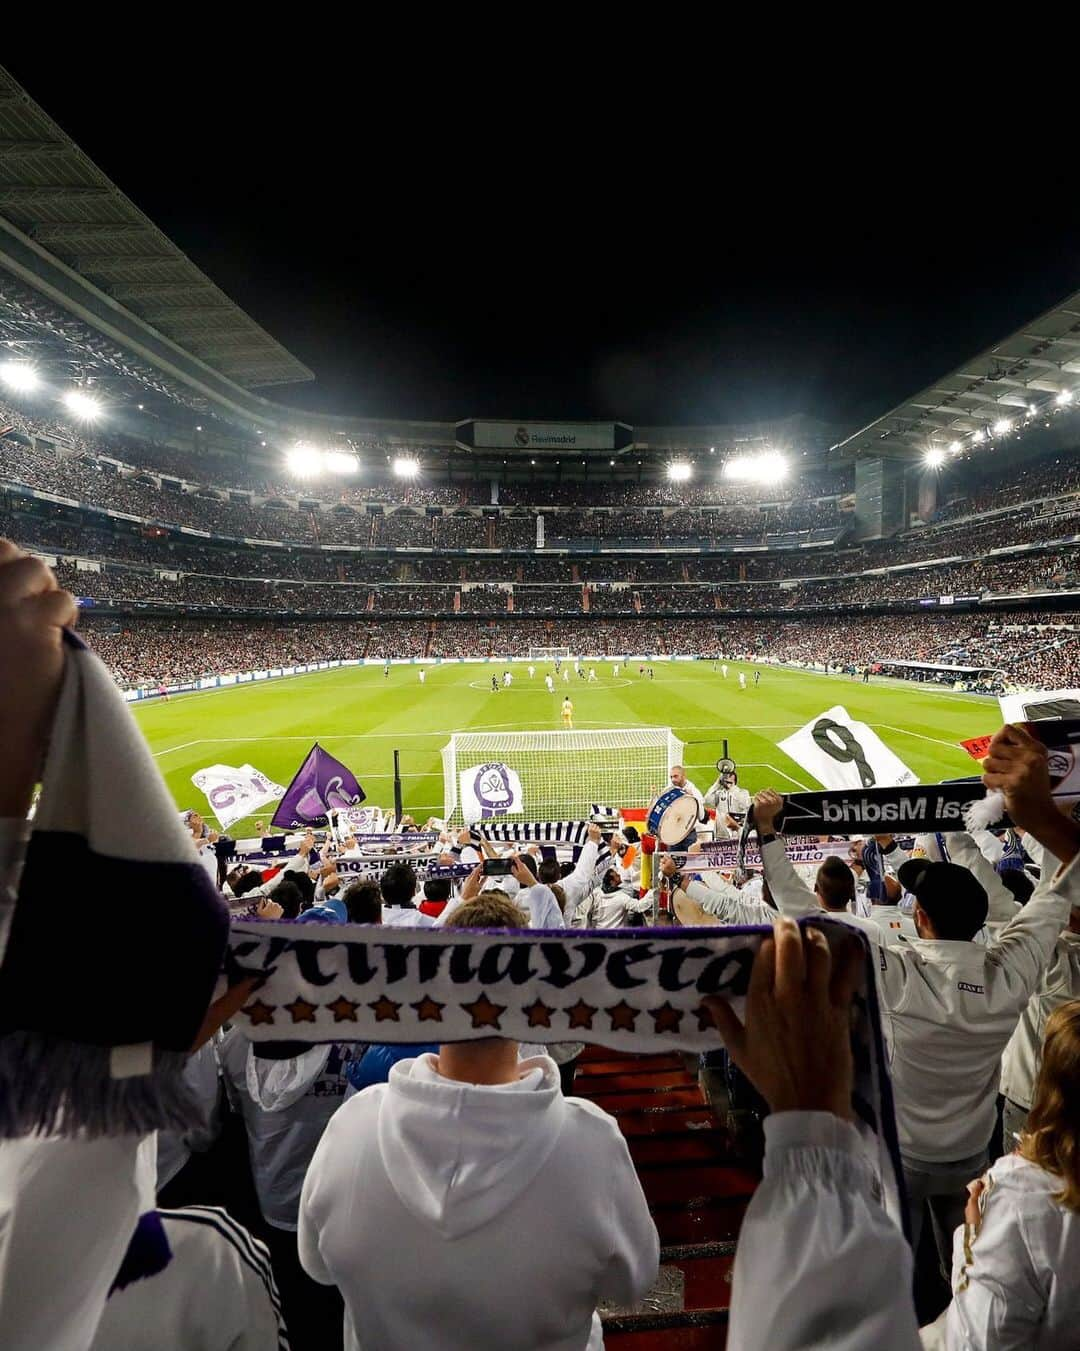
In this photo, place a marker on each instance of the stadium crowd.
(1040, 650)
(461, 1195)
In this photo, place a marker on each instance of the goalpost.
(564, 773)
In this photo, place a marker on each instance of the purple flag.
(320, 784)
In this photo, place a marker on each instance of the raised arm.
(788, 890)
(850, 1287)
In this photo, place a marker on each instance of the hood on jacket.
(459, 1154)
(275, 1085)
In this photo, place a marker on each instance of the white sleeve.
(999, 1299)
(712, 795)
(635, 1246)
(580, 881)
(791, 894)
(819, 1264)
(965, 850)
(729, 905)
(1022, 949)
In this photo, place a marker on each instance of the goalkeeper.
(568, 713)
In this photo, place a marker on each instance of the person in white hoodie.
(466, 1203)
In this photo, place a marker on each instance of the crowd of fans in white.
(460, 1195)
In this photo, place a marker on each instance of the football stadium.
(723, 774)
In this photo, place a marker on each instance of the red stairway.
(696, 1192)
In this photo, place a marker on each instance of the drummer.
(685, 785)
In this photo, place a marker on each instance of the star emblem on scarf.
(581, 1014)
(538, 1014)
(428, 1010)
(666, 1017)
(704, 1018)
(260, 1013)
(623, 1016)
(344, 1010)
(484, 1013)
(385, 1010)
(301, 1010)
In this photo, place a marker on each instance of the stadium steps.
(696, 1192)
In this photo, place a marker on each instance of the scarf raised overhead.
(104, 980)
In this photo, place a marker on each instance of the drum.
(672, 816)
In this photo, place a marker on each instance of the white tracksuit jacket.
(1015, 1284)
(953, 1006)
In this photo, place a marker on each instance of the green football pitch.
(361, 716)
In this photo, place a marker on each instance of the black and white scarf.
(104, 985)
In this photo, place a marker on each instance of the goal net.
(548, 653)
(562, 773)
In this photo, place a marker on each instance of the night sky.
(441, 247)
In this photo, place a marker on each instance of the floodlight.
(1001, 426)
(1063, 397)
(19, 376)
(341, 462)
(767, 465)
(978, 437)
(934, 459)
(82, 405)
(679, 471)
(304, 461)
(404, 466)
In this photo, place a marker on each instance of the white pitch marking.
(183, 746)
(762, 764)
(906, 731)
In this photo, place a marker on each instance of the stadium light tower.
(82, 405)
(679, 471)
(19, 376)
(1002, 426)
(934, 458)
(405, 466)
(304, 461)
(341, 462)
(1063, 397)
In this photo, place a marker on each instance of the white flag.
(1038, 704)
(235, 793)
(843, 753)
(489, 790)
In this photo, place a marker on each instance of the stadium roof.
(1017, 377)
(56, 198)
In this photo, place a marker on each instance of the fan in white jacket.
(216, 1294)
(1060, 985)
(610, 906)
(1014, 1281)
(285, 1105)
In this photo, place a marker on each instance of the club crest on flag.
(321, 785)
(235, 793)
(489, 790)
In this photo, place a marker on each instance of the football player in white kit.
(723, 670)
(532, 671)
(566, 675)
(615, 669)
(592, 672)
(549, 683)
(423, 675)
(742, 680)
(507, 679)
